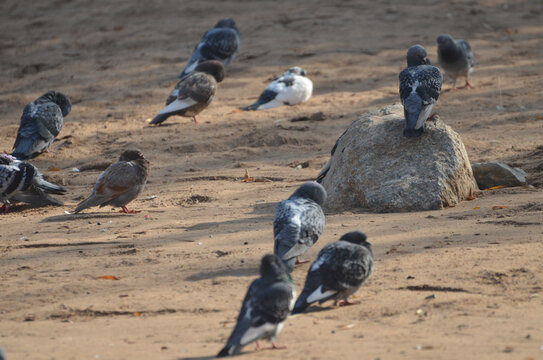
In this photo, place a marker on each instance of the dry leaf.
(136, 313)
(53, 169)
(496, 207)
(476, 208)
(469, 198)
(346, 327)
(108, 277)
(495, 187)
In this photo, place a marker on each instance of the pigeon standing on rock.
(266, 306)
(21, 181)
(120, 183)
(455, 57)
(193, 93)
(291, 88)
(338, 272)
(40, 123)
(420, 86)
(218, 43)
(298, 223)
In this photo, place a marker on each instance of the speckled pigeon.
(120, 183)
(338, 272)
(420, 86)
(298, 223)
(193, 93)
(218, 43)
(291, 88)
(40, 123)
(21, 181)
(455, 57)
(266, 306)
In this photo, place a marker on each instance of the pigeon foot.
(273, 347)
(195, 121)
(128, 211)
(347, 302)
(4, 209)
(468, 85)
(298, 261)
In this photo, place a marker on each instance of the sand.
(457, 283)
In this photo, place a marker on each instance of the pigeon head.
(131, 155)
(355, 237)
(272, 266)
(296, 70)
(417, 55)
(58, 98)
(445, 40)
(212, 67)
(311, 190)
(226, 23)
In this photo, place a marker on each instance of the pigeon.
(298, 223)
(2, 356)
(120, 183)
(40, 123)
(338, 272)
(291, 88)
(455, 57)
(266, 306)
(420, 86)
(193, 93)
(22, 181)
(218, 43)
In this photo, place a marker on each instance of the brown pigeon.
(120, 183)
(193, 93)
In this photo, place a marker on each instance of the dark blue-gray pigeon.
(266, 306)
(291, 88)
(420, 86)
(22, 181)
(221, 43)
(193, 93)
(120, 183)
(298, 223)
(40, 123)
(338, 272)
(455, 57)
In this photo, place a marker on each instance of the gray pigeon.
(291, 88)
(298, 223)
(266, 306)
(120, 183)
(193, 93)
(326, 167)
(455, 57)
(40, 123)
(21, 181)
(338, 272)
(420, 86)
(218, 43)
(2, 356)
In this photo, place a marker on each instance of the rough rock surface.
(376, 167)
(494, 173)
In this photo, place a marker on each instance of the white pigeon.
(291, 88)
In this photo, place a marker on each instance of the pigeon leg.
(127, 211)
(468, 85)
(258, 347)
(4, 209)
(298, 261)
(273, 347)
(194, 118)
(347, 302)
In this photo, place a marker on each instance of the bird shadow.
(206, 275)
(317, 309)
(198, 357)
(68, 217)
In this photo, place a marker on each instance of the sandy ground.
(185, 262)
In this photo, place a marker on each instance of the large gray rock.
(374, 166)
(494, 173)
